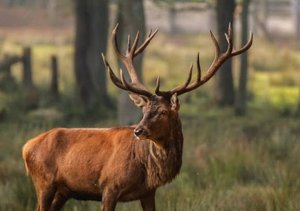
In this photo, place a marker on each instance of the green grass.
(229, 163)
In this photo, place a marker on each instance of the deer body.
(108, 164)
(79, 168)
(118, 164)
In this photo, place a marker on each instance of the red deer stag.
(118, 164)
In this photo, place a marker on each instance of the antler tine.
(132, 88)
(128, 44)
(218, 60)
(195, 83)
(135, 42)
(146, 42)
(198, 69)
(122, 83)
(177, 89)
(157, 85)
(127, 59)
(216, 44)
(245, 47)
(229, 39)
(115, 42)
(115, 79)
(187, 82)
(112, 75)
(221, 58)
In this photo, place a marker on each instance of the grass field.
(230, 163)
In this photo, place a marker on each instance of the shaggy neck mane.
(162, 164)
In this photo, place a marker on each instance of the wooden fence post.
(7, 68)
(27, 68)
(31, 97)
(6, 80)
(6, 63)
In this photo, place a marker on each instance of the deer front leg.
(148, 203)
(109, 201)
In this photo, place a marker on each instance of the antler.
(219, 59)
(127, 59)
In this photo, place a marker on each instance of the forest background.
(242, 129)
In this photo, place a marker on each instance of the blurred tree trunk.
(260, 18)
(172, 18)
(297, 8)
(54, 79)
(224, 89)
(27, 68)
(52, 10)
(131, 18)
(241, 101)
(90, 41)
(98, 44)
(298, 108)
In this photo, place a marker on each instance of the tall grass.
(229, 164)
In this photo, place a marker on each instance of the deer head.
(160, 109)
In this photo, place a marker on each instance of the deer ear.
(139, 100)
(174, 102)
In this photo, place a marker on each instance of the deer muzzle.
(141, 132)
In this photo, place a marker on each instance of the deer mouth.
(142, 137)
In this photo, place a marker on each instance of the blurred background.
(241, 129)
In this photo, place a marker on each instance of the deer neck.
(163, 162)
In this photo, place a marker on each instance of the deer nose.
(138, 131)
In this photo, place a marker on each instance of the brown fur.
(107, 165)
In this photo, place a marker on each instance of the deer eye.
(164, 112)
